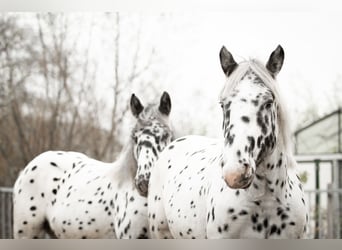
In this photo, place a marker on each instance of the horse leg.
(159, 227)
(26, 224)
(29, 213)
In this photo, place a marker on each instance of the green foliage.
(304, 176)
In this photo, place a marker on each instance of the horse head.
(150, 136)
(250, 108)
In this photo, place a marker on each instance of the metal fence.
(6, 204)
(325, 213)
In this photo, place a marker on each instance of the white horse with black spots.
(73, 196)
(244, 186)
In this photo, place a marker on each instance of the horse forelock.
(256, 67)
(151, 117)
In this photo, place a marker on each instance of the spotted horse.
(71, 195)
(243, 186)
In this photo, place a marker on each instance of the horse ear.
(275, 62)
(136, 105)
(165, 104)
(228, 63)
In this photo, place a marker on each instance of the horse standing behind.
(244, 186)
(78, 197)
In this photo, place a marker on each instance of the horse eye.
(268, 105)
(221, 104)
(135, 139)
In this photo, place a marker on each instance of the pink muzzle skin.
(240, 179)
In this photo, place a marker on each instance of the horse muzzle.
(142, 187)
(241, 178)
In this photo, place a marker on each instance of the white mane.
(284, 138)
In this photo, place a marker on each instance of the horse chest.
(241, 218)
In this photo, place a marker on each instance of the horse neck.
(124, 168)
(271, 176)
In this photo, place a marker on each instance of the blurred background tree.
(49, 85)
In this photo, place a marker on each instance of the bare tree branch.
(115, 86)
